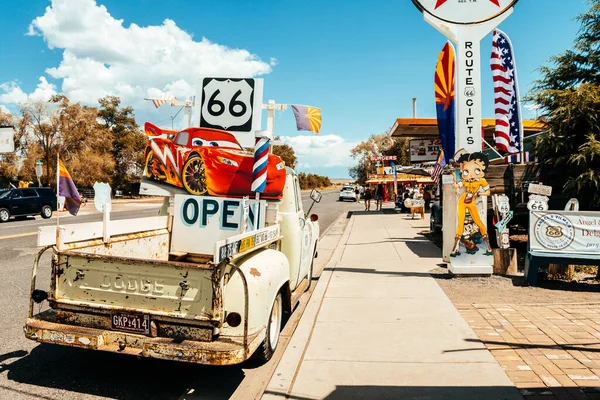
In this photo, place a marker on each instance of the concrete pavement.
(379, 327)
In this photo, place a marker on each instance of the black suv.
(24, 202)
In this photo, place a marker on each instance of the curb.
(284, 377)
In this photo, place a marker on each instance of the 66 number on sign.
(537, 203)
(228, 104)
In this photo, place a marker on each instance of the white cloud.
(103, 57)
(13, 94)
(44, 90)
(321, 151)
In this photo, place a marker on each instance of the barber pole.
(261, 158)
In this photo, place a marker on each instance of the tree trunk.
(562, 271)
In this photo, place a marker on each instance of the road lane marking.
(18, 235)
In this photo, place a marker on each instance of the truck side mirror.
(315, 196)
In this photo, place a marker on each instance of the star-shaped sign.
(441, 2)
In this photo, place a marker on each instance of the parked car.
(347, 193)
(28, 201)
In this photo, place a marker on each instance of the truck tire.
(4, 215)
(46, 212)
(268, 346)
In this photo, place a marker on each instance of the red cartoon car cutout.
(207, 161)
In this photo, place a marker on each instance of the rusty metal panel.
(151, 245)
(176, 289)
(223, 351)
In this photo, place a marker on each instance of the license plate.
(130, 322)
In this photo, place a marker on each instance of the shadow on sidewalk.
(413, 392)
(579, 346)
(377, 272)
(372, 212)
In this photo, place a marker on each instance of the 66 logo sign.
(231, 104)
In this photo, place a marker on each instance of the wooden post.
(505, 261)
(562, 271)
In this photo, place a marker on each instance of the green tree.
(568, 93)
(287, 154)
(374, 146)
(128, 141)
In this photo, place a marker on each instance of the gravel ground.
(513, 289)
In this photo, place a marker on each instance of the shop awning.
(426, 128)
(402, 178)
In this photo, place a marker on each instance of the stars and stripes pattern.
(261, 159)
(509, 127)
(439, 167)
(167, 98)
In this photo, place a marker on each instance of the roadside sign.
(501, 226)
(424, 149)
(230, 104)
(383, 158)
(102, 196)
(537, 203)
(535, 188)
(465, 12)
(503, 204)
(7, 141)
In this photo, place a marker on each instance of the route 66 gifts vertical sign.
(230, 104)
(466, 23)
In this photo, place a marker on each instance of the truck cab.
(202, 284)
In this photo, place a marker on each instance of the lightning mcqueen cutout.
(207, 161)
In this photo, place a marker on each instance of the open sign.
(199, 221)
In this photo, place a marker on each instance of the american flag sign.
(509, 126)
(159, 102)
(439, 167)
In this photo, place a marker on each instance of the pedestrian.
(380, 192)
(427, 198)
(368, 196)
(357, 193)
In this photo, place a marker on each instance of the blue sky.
(361, 62)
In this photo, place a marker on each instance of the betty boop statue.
(473, 167)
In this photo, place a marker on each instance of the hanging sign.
(7, 141)
(465, 12)
(230, 104)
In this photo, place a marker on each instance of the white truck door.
(306, 235)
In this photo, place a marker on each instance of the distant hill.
(341, 181)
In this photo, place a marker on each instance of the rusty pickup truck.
(184, 286)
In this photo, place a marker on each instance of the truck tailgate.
(174, 289)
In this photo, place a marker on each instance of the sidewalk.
(378, 326)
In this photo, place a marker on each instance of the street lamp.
(38, 171)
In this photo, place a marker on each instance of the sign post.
(466, 23)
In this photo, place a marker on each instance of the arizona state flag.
(445, 99)
(66, 188)
(307, 118)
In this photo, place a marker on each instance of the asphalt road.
(29, 370)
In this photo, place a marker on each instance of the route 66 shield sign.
(101, 195)
(231, 104)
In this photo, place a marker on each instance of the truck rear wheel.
(268, 346)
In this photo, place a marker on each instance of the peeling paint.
(254, 272)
